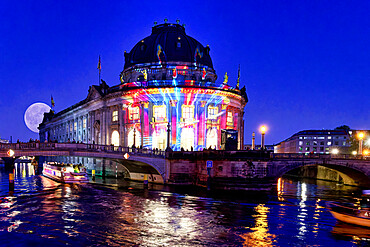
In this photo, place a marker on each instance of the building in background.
(168, 97)
(4, 141)
(316, 141)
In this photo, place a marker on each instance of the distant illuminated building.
(168, 91)
(4, 141)
(315, 141)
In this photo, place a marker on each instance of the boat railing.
(342, 208)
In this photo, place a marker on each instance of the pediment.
(93, 94)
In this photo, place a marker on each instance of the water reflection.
(44, 212)
(260, 235)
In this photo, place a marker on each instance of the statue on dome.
(145, 75)
(226, 78)
(204, 73)
(160, 54)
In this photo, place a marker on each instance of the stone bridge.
(143, 158)
(230, 169)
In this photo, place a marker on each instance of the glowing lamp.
(354, 152)
(335, 151)
(366, 152)
(361, 135)
(10, 153)
(263, 129)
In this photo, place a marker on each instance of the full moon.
(34, 115)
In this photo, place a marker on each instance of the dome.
(168, 43)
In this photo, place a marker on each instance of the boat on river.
(351, 214)
(65, 173)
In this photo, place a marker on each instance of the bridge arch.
(346, 172)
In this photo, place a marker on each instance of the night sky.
(305, 64)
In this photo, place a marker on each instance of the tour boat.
(349, 214)
(65, 173)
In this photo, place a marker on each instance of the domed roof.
(168, 43)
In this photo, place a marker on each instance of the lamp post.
(168, 135)
(263, 131)
(253, 141)
(134, 137)
(360, 136)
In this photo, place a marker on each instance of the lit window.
(178, 44)
(84, 123)
(115, 116)
(229, 118)
(188, 112)
(329, 137)
(329, 143)
(134, 113)
(212, 112)
(300, 148)
(314, 142)
(75, 126)
(344, 143)
(70, 127)
(300, 143)
(307, 148)
(159, 112)
(307, 143)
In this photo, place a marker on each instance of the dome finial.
(165, 20)
(177, 21)
(155, 23)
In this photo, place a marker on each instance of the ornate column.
(142, 126)
(173, 121)
(120, 125)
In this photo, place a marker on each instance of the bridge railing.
(317, 156)
(82, 147)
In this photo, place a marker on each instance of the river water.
(41, 212)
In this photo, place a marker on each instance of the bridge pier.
(9, 162)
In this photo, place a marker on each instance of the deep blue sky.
(305, 64)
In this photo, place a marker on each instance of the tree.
(343, 127)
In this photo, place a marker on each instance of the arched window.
(187, 138)
(115, 138)
(212, 138)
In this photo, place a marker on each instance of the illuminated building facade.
(167, 97)
(315, 141)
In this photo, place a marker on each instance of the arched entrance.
(159, 139)
(187, 138)
(130, 139)
(115, 138)
(211, 140)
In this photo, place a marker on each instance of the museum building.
(167, 97)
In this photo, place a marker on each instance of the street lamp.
(360, 136)
(134, 137)
(263, 131)
(335, 151)
(253, 141)
(366, 152)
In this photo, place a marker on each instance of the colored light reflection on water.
(42, 212)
